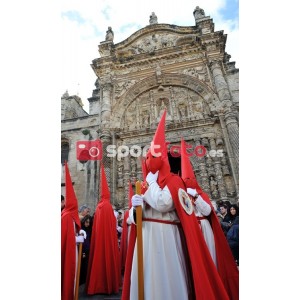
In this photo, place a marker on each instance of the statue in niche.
(229, 185)
(162, 108)
(198, 112)
(120, 176)
(130, 121)
(182, 111)
(133, 165)
(213, 186)
(147, 45)
(225, 168)
(153, 19)
(109, 34)
(158, 71)
(145, 119)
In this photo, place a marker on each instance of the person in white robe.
(165, 275)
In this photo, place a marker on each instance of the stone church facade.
(183, 69)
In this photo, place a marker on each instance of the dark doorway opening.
(175, 164)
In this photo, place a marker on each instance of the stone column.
(233, 132)
(204, 181)
(229, 149)
(126, 180)
(218, 171)
(220, 82)
(153, 111)
(173, 105)
(189, 106)
(138, 116)
(229, 119)
(106, 139)
(114, 172)
(219, 178)
(139, 170)
(106, 104)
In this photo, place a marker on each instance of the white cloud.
(80, 40)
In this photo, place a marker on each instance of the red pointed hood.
(71, 203)
(105, 194)
(187, 173)
(157, 155)
(130, 194)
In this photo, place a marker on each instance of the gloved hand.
(82, 232)
(79, 239)
(191, 192)
(151, 177)
(137, 200)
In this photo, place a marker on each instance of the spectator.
(63, 202)
(83, 211)
(86, 225)
(233, 239)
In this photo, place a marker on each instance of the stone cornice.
(156, 28)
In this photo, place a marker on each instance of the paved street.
(83, 296)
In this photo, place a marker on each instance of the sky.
(84, 25)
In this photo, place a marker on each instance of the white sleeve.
(130, 216)
(159, 199)
(202, 206)
(128, 221)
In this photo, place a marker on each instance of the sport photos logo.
(92, 150)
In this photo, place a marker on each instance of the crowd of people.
(190, 246)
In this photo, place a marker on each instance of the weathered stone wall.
(182, 69)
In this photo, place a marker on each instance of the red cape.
(68, 257)
(104, 274)
(124, 241)
(206, 280)
(226, 265)
(69, 217)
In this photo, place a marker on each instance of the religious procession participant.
(71, 234)
(211, 229)
(104, 273)
(177, 263)
(126, 231)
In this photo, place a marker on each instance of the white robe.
(203, 209)
(165, 276)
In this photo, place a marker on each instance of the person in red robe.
(177, 262)
(125, 232)
(225, 262)
(104, 273)
(70, 227)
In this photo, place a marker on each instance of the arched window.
(64, 151)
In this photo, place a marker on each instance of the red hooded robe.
(206, 282)
(104, 273)
(225, 262)
(69, 216)
(124, 236)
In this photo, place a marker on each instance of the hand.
(151, 177)
(79, 239)
(191, 192)
(137, 200)
(83, 233)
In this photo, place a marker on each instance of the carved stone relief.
(154, 42)
(122, 87)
